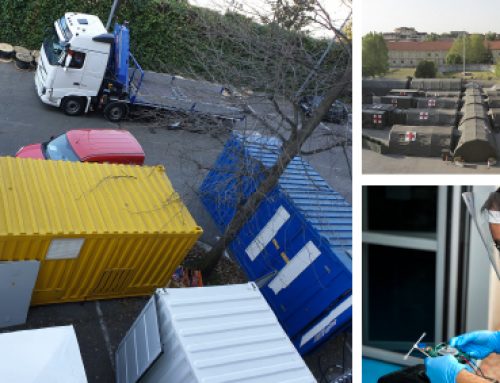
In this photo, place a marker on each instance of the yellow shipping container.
(98, 230)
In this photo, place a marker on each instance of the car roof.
(88, 143)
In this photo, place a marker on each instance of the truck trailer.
(83, 68)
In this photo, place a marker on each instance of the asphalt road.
(187, 157)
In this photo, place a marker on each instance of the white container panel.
(222, 334)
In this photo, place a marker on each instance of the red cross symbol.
(424, 116)
(395, 101)
(410, 136)
(431, 102)
(377, 119)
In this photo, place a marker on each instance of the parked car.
(88, 145)
(337, 112)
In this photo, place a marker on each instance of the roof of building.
(494, 45)
(420, 46)
(426, 46)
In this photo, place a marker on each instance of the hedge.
(166, 32)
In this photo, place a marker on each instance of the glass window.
(402, 208)
(60, 149)
(65, 29)
(52, 47)
(77, 60)
(399, 289)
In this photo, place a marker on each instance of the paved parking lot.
(375, 163)
(187, 157)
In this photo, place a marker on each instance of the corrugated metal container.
(436, 84)
(297, 245)
(438, 102)
(445, 117)
(98, 230)
(44, 355)
(423, 141)
(217, 334)
(401, 102)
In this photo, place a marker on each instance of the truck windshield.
(65, 29)
(60, 149)
(52, 47)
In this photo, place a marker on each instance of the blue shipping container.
(297, 245)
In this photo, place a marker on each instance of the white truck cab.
(73, 61)
(82, 67)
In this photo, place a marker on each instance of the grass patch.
(471, 75)
(403, 73)
(400, 73)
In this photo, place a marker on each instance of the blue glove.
(478, 344)
(443, 369)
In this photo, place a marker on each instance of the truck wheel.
(73, 106)
(115, 111)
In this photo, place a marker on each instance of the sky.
(431, 15)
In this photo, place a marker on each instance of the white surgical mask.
(493, 216)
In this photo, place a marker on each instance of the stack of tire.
(6, 52)
(24, 59)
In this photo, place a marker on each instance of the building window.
(402, 61)
(387, 286)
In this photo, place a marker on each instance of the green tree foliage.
(293, 14)
(491, 36)
(426, 69)
(497, 69)
(432, 37)
(375, 55)
(476, 49)
(453, 59)
(348, 30)
(166, 36)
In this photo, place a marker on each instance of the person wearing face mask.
(477, 344)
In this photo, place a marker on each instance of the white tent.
(40, 356)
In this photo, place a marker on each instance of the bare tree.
(276, 64)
